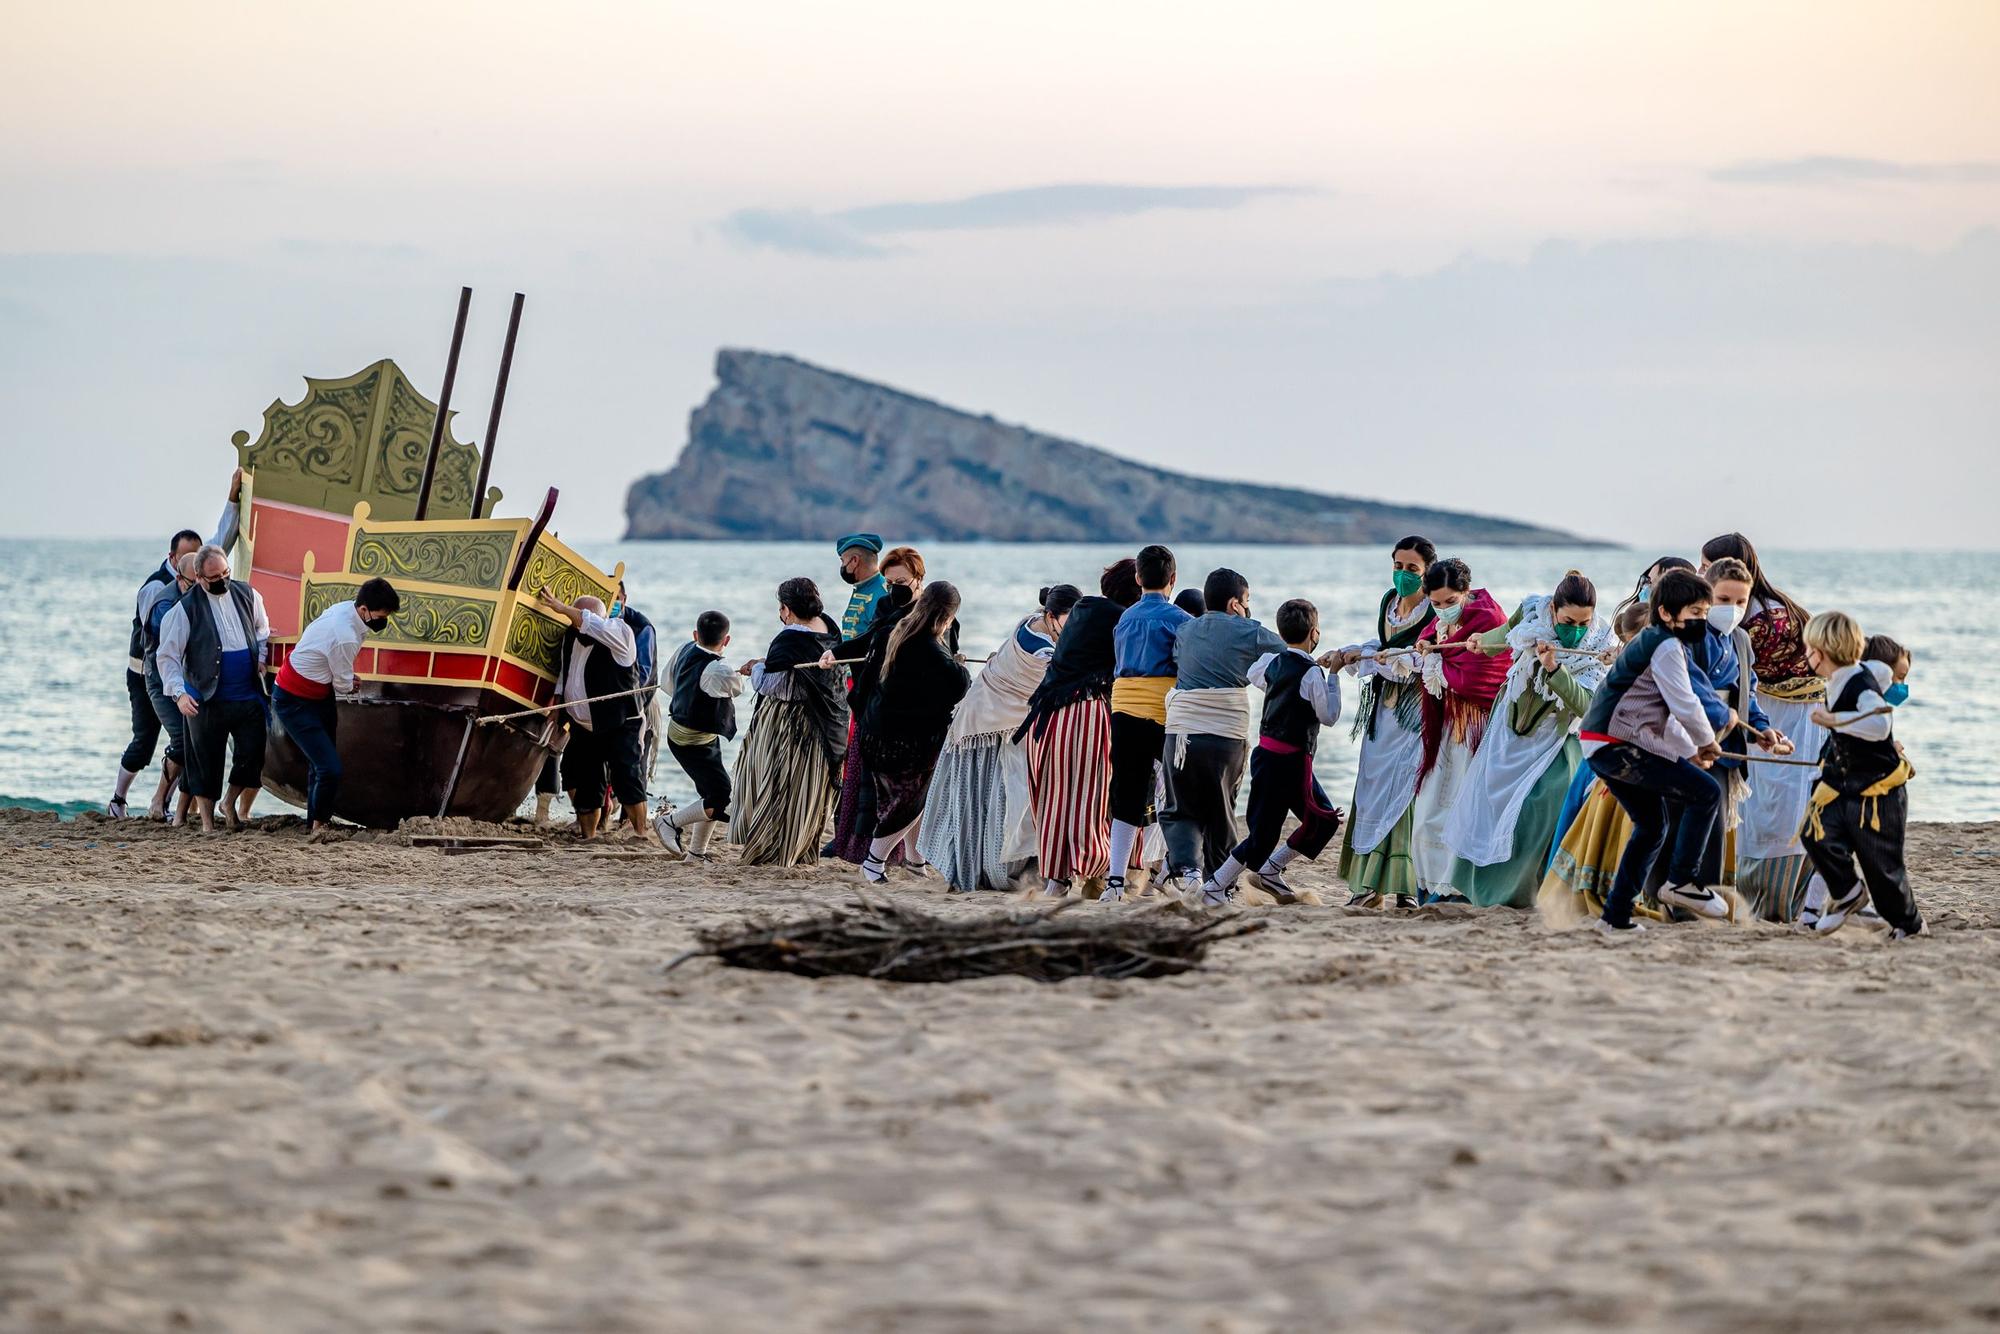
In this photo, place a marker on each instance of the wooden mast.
(493, 419)
(444, 403)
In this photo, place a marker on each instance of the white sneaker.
(1697, 899)
(669, 833)
(1616, 932)
(1186, 887)
(1838, 910)
(1898, 933)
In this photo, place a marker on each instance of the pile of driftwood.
(895, 943)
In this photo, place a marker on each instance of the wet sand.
(251, 1083)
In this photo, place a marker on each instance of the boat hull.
(417, 751)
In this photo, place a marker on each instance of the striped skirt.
(1069, 785)
(783, 788)
(964, 833)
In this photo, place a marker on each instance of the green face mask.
(1569, 636)
(1408, 585)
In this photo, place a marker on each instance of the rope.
(562, 704)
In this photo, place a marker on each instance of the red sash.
(304, 687)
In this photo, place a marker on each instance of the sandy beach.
(251, 1083)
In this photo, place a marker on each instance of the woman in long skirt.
(909, 714)
(978, 827)
(1068, 737)
(1375, 845)
(1771, 867)
(1460, 684)
(854, 818)
(1504, 821)
(786, 773)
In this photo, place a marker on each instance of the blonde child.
(1859, 809)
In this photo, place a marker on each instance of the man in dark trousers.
(600, 658)
(145, 718)
(211, 659)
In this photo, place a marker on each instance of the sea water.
(66, 609)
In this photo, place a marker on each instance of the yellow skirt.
(1587, 863)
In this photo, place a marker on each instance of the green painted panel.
(476, 560)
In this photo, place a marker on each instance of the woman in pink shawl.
(1460, 685)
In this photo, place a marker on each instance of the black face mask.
(218, 586)
(1691, 633)
(848, 576)
(900, 595)
(378, 625)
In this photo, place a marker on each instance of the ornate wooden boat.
(330, 498)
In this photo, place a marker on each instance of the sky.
(1646, 272)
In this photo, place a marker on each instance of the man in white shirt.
(211, 660)
(598, 681)
(320, 667)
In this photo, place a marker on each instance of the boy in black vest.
(700, 716)
(1858, 810)
(1299, 699)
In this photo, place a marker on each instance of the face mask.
(1724, 617)
(218, 586)
(1897, 693)
(1645, 593)
(378, 625)
(900, 595)
(1449, 615)
(1569, 636)
(1407, 583)
(617, 606)
(848, 576)
(1691, 633)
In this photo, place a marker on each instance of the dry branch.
(896, 943)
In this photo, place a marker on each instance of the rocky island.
(783, 450)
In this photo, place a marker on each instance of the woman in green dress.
(1505, 819)
(1378, 839)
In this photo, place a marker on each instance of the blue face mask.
(1897, 693)
(1645, 593)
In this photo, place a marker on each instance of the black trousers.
(1850, 835)
(145, 724)
(1672, 804)
(596, 756)
(1135, 766)
(1199, 819)
(1282, 785)
(704, 766)
(310, 723)
(232, 726)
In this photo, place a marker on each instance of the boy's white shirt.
(1881, 726)
(1318, 687)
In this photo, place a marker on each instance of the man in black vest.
(145, 722)
(145, 718)
(211, 662)
(600, 659)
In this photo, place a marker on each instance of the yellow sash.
(1824, 796)
(1142, 696)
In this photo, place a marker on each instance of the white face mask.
(1724, 617)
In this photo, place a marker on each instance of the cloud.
(1832, 170)
(799, 231)
(844, 234)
